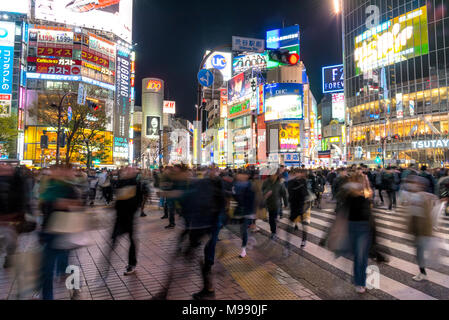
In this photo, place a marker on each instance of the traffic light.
(62, 139)
(204, 104)
(396, 137)
(44, 142)
(285, 57)
(378, 160)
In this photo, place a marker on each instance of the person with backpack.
(425, 174)
(318, 188)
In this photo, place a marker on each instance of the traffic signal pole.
(198, 109)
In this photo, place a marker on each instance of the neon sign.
(154, 85)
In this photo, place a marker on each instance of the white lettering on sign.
(443, 143)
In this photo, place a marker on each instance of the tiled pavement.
(252, 278)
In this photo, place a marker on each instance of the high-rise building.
(60, 47)
(396, 81)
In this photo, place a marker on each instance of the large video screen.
(394, 41)
(289, 136)
(284, 101)
(109, 15)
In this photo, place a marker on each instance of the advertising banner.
(239, 109)
(289, 136)
(15, 6)
(333, 79)
(248, 44)
(54, 52)
(394, 41)
(169, 107)
(122, 92)
(223, 103)
(153, 127)
(222, 61)
(338, 106)
(109, 15)
(261, 108)
(256, 61)
(241, 87)
(7, 35)
(283, 38)
(284, 101)
(261, 139)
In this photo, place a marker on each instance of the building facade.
(396, 81)
(63, 48)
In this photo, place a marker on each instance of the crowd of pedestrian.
(206, 199)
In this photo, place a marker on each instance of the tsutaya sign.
(430, 144)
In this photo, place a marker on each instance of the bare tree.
(84, 127)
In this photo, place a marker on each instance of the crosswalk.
(396, 275)
(392, 239)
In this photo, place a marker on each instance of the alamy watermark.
(372, 277)
(73, 280)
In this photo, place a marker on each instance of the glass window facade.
(396, 82)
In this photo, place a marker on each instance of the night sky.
(173, 35)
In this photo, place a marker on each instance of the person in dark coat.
(244, 195)
(274, 193)
(297, 195)
(129, 199)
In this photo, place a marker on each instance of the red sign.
(54, 52)
(95, 59)
(6, 97)
(154, 85)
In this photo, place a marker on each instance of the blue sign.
(333, 79)
(69, 114)
(218, 62)
(6, 69)
(206, 78)
(283, 38)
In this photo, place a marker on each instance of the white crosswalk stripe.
(389, 286)
(392, 228)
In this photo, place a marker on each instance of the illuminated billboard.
(285, 39)
(256, 61)
(108, 15)
(7, 35)
(338, 107)
(333, 79)
(284, 101)
(169, 107)
(222, 61)
(289, 137)
(15, 6)
(394, 41)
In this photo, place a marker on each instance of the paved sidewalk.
(252, 278)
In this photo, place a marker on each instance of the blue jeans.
(360, 238)
(52, 258)
(209, 249)
(244, 231)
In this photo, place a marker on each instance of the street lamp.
(337, 6)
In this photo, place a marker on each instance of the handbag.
(72, 241)
(67, 222)
(126, 193)
(338, 240)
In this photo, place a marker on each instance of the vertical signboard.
(122, 104)
(7, 35)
